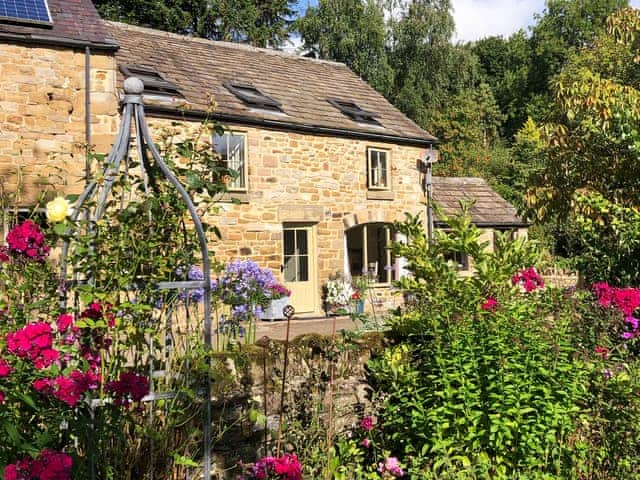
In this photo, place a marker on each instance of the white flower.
(339, 292)
(58, 209)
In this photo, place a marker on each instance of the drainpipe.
(428, 190)
(87, 111)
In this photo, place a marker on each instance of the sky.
(482, 18)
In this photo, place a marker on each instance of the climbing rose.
(28, 240)
(50, 465)
(58, 209)
(34, 342)
(5, 368)
(130, 387)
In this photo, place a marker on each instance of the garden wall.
(313, 359)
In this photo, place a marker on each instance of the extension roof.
(489, 209)
(76, 23)
(200, 68)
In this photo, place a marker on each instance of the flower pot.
(274, 310)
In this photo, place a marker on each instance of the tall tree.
(505, 65)
(592, 164)
(352, 32)
(564, 27)
(258, 22)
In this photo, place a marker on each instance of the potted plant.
(360, 286)
(279, 295)
(338, 297)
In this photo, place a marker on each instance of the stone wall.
(42, 118)
(299, 178)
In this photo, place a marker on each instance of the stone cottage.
(325, 164)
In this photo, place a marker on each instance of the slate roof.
(75, 22)
(490, 209)
(302, 85)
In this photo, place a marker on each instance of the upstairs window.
(353, 111)
(378, 169)
(232, 150)
(252, 96)
(155, 85)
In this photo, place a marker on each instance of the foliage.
(593, 146)
(259, 22)
(351, 32)
(74, 377)
(609, 236)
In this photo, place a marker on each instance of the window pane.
(289, 269)
(236, 159)
(379, 262)
(302, 246)
(303, 268)
(289, 242)
(355, 251)
(382, 165)
(220, 146)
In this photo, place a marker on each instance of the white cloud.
(482, 18)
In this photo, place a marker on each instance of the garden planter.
(274, 310)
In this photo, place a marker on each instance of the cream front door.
(299, 267)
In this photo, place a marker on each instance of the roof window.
(252, 96)
(353, 111)
(154, 83)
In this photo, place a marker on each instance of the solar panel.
(28, 11)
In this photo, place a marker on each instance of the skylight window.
(154, 83)
(252, 96)
(354, 112)
(25, 11)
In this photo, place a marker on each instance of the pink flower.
(43, 385)
(366, 423)
(34, 342)
(130, 387)
(27, 240)
(5, 368)
(392, 466)
(603, 352)
(63, 322)
(529, 279)
(366, 443)
(50, 465)
(2, 397)
(288, 467)
(490, 305)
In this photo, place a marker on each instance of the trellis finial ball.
(288, 311)
(133, 86)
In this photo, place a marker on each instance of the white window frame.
(243, 177)
(373, 175)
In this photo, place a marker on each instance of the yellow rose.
(58, 209)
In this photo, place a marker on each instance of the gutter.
(521, 224)
(198, 115)
(57, 41)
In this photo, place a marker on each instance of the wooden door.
(299, 266)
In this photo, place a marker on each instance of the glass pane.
(220, 145)
(289, 242)
(236, 159)
(289, 269)
(382, 164)
(303, 247)
(355, 251)
(303, 268)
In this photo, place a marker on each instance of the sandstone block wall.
(296, 178)
(42, 118)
